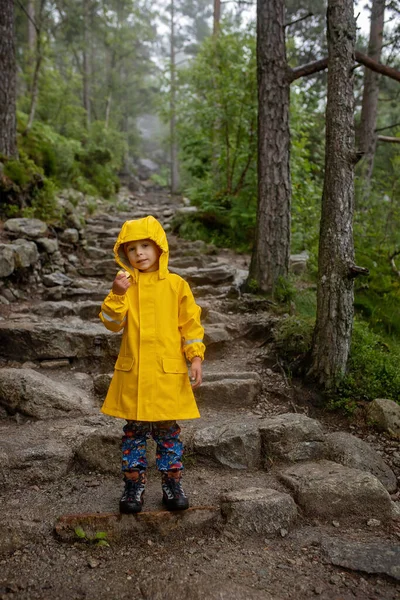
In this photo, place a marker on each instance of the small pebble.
(374, 523)
(336, 523)
(93, 563)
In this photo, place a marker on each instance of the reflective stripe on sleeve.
(108, 318)
(193, 342)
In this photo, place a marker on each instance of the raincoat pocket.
(174, 365)
(124, 363)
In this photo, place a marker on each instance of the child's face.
(143, 255)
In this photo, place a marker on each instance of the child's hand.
(121, 283)
(196, 372)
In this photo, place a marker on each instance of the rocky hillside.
(286, 502)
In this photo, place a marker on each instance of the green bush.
(373, 367)
(89, 165)
(25, 190)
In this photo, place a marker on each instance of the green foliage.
(217, 127)
(99, 539)
(25, 190)
(373, 368)
(89, 165)
(284, 290)
(293, 336)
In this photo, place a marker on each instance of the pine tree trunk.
(31, 29)
(175, 183)
(86, 66)
(8, 90)
(369, 109)
(270, 258)
(216, 16)
(335, 294)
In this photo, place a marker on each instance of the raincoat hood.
(142, 229)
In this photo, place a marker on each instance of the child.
(150, 387)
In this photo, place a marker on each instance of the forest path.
(284, 505)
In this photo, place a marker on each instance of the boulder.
(235, 444)
(88, 343)
(214, 275)
(35, 395)
(229, 389)
(96, 253)
(7, 260)
(48, 245)
(328, 491)
(56, 279)
(216, 335)
(101, 451)
(265, 511)
(350, 451)
(385, 415)
(101, 384)
(70, 236)
(373, 557)
(25, 253)
(35, 453)
(292, 437)
(27, 228)
(298, 263)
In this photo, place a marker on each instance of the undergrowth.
(373, 365)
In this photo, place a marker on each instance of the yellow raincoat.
(161, 326)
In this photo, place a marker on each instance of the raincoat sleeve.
(113, 311)
(189, 324)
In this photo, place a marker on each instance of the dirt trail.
(279, 509)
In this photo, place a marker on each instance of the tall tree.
(8, 92)
(86, 62)
(31, 13)
(172, 103)
(369, 110)
(38, 61)
(216, 16)
(335, 292)
(270, 258)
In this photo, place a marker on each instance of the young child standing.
(150, 387)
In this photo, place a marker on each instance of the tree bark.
(369, 108)
(216, 16)
(270, 258)
(175, 184)
(335, 292)
(8, 86)
(86, 65)
(31, 28)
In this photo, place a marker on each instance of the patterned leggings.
(166, 436)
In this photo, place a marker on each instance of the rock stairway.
(271, 488)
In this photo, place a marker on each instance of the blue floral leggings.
(164, 433)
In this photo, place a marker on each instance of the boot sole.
(174, 508)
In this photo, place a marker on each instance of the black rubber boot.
(174, 498)
(132, 499)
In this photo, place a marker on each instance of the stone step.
(217, 274)
(85, 310)
(40, 453)
(327, 490)
(33, 394)
(114, 526)
(81, 342)
(229, 389)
